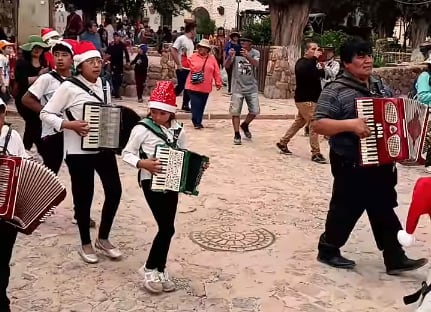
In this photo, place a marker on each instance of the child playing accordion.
(8, 233)
(138, 153)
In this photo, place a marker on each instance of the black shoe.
(186, 109)
(337, 261)
(246, 131)
(318, 158)
(404, 265)
(283, 149)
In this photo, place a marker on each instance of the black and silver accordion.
(182, 170)
(110, 126)
(29, 192)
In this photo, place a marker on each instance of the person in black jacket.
(141, 67)
(308, 88)
(117, 50)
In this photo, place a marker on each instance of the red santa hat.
(420, 205)
(163, 97)
(48, 33)
(68, 43)
(84, 50)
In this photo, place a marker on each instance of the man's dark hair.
(60, 48)
(354, 47)
(90, 24)
(189, 27)
(308, 43)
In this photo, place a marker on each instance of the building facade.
(223, 12)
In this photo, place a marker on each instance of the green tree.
(259, 32)
(205, 26)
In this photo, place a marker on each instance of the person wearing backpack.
(423, 89)
(64, 112)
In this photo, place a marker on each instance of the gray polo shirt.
(337, 101)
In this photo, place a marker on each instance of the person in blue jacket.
(423, 87)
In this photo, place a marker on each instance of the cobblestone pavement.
(249, 192)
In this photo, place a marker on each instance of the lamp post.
(237, 15)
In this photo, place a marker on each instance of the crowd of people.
(54, 77)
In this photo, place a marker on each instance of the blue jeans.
(182, 75)
(198, 102)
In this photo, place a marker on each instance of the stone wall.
(399, 78)
(163, 69)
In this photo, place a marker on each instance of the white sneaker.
(428, 169)
(152, 280)
(167, 284)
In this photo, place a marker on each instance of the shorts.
(237, 100)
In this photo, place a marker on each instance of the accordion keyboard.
(171, 161)
(92, 115)
(369, 150)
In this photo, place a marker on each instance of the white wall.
(33, 15)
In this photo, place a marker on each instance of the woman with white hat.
(204, 69)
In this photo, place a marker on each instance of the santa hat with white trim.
(48, 33)
(84, 50)
(420, 205)
(163, 97)
(68, 43)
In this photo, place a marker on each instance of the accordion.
(399, 129)
(29, 192)
(110, 126)
(182, 170)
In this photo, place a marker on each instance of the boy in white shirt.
(6, 48)
(8, 233)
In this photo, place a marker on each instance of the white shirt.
(185, 47)
(5, 70)
(145, 139)
(70, 96)
(15, 146)
(43, 89)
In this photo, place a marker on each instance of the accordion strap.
(80, 84)
(7, 139)
(54, 74)
(154, 128)
(422, 292)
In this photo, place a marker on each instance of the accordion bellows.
(29, 192)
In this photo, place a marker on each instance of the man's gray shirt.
(244, 74)
(337, 101)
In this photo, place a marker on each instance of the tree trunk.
(419, 31)
(287, 25)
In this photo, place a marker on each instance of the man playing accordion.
(357, 188)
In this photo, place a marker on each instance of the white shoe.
(428, 169)
(152, 280)
(167, 283)
(89, 258)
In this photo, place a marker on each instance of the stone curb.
(207, 116)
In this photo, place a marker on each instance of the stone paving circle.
(225, 239)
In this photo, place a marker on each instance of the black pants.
(182, 75)
(33, 127)
(117, 81)
(198, 101)
(164, 209)
(8, 235)
(428, 159)
(51, 150)
(81, 170)
(356, 189)
(229, 79)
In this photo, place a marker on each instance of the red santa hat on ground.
(48, 33)
(85, 50)
(68, 43)
(420, 205)
(163, 97)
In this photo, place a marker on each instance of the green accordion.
(182, 170)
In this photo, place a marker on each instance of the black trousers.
(164, 208)
(81, 170)
(51, 150)
(355, 190)
(428, 159)
(182, 75)
(33, 127)
(8, 235)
